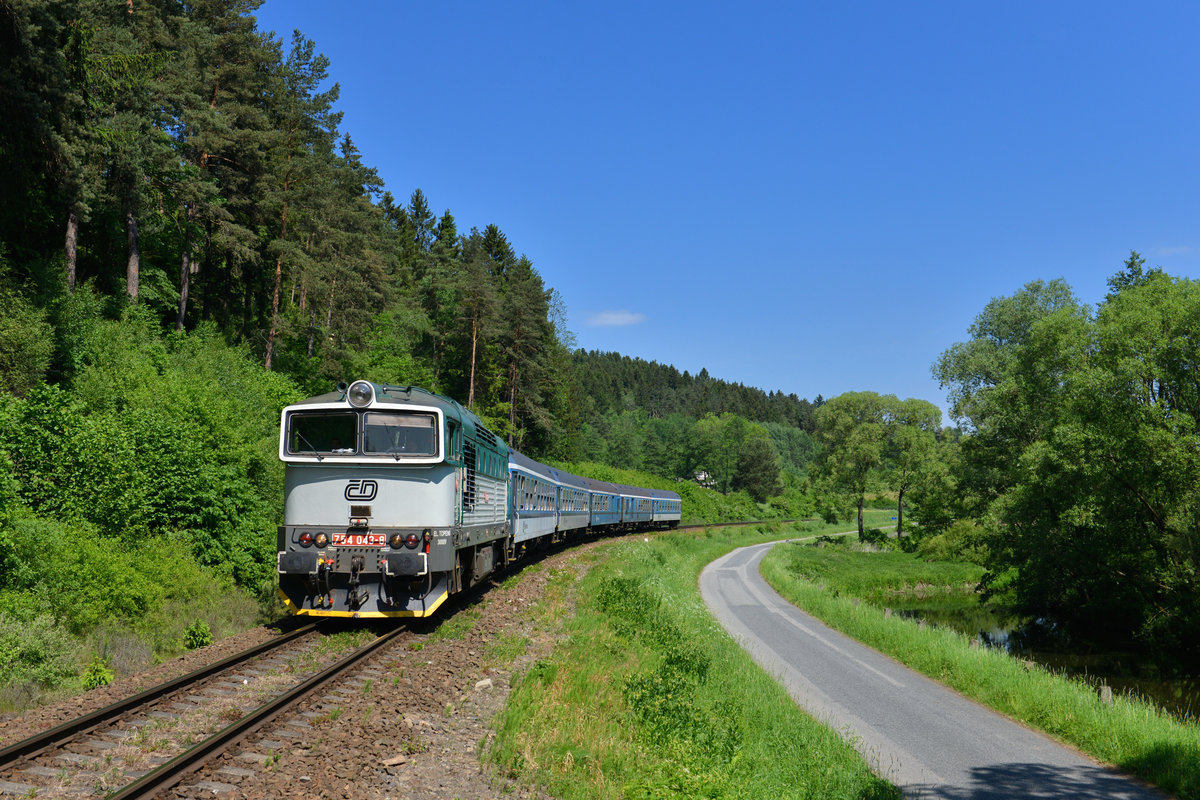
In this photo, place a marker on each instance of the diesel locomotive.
(397, 498)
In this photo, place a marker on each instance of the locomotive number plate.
(358, 539)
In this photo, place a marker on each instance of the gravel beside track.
(411, 723)
(15, 727)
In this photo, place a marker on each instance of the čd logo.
(361, 489)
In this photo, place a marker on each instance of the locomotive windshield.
(400, 434)
(346, 433)
(323, 432)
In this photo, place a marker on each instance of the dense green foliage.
(613, 382)
(132, 500)
(871, 442)
(158, 436)
(1082, 458)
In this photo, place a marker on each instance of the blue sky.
(817, 198)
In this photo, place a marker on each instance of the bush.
(97, 674)
(874, 536)
(197, 635)
(962, 541)
(160, 434)
(26, 342)
(35, 649)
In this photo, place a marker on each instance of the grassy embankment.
(1131, 734)
(646, 696)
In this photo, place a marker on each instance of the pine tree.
(478, 305)
(306, 128)
(214, 93)
(526, 342)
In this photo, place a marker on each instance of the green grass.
(882, 577)
(457, 626)
(646, 696)
(1134, 735)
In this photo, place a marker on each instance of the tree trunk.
(133, 266)
(186, 267)
(312, 328)
(900, 515)
(512, 401)
(471, 385)
(185, 280)
(329, 311)
(860, 518)
(278, 288)
(274, 312)
(70, 248)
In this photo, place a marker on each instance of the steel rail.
(38, 742)
(174, 770)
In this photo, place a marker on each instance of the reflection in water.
(1137, 674)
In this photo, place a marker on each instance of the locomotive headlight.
(360, 394)
(396, 541)
(321, 539)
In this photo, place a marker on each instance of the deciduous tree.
(853, 434)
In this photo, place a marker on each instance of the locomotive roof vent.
(360, 394)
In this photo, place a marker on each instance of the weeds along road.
(927, 739)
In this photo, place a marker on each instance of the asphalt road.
(927, 739)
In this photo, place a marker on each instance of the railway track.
(144, 744)
(150, 742)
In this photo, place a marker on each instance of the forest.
(190, 241)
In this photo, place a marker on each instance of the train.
(397, 498)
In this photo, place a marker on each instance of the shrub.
(34, 649)
(26, 345)
(962, 541)
(160, 434)
(874, 536)
(97, 674)
(197, 635)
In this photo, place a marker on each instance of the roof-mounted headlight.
(360, 394)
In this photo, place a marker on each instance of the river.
(1171, 686)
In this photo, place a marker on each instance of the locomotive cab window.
(312, 433)
(400, 434)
